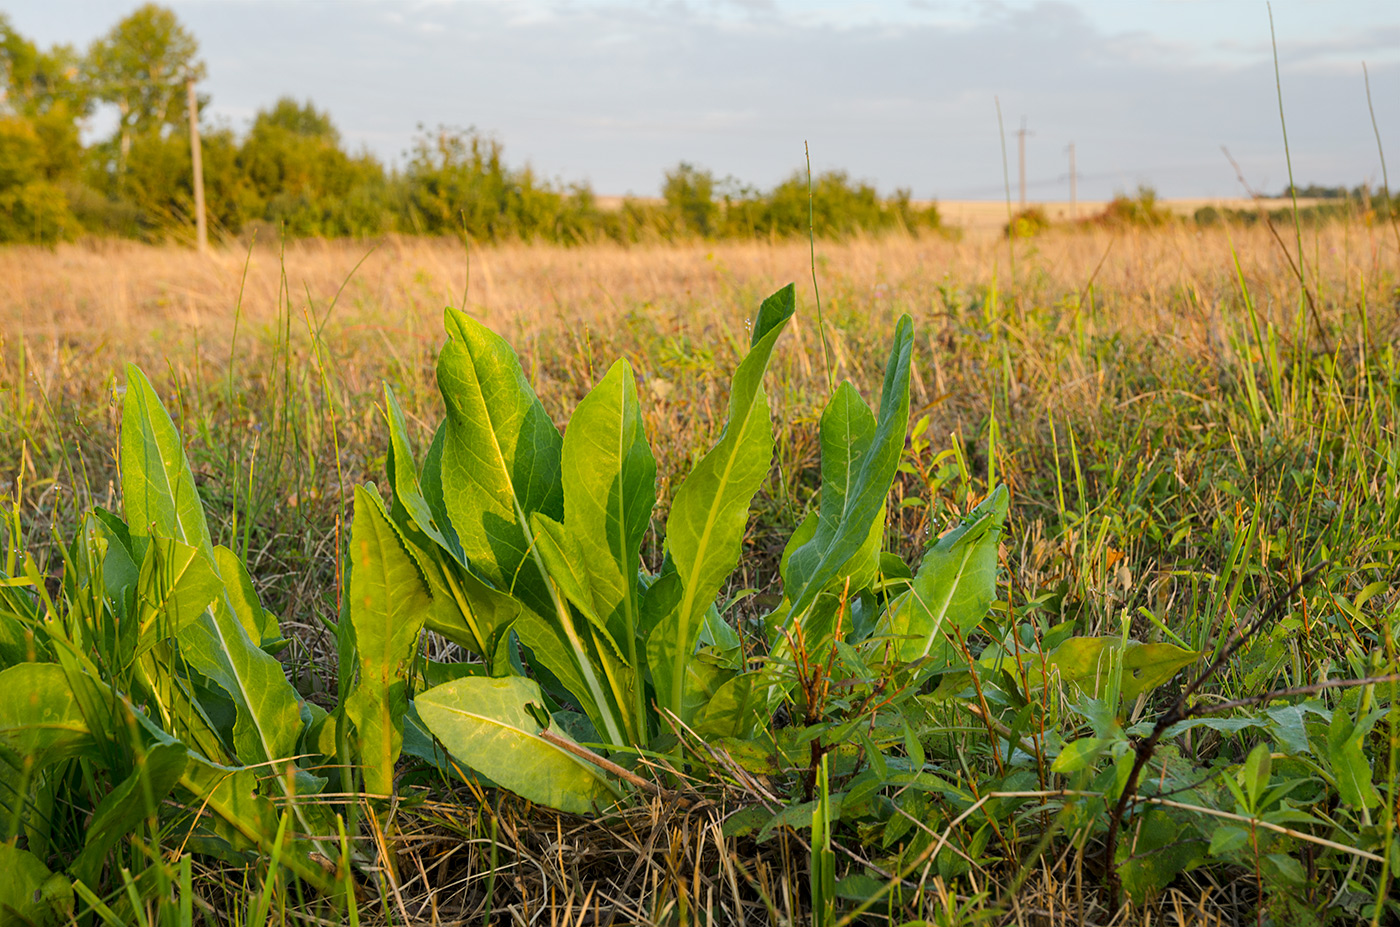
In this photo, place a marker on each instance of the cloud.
(617, 91)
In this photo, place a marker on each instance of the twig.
(607, 765)
(1276, 828)
(1198, 710)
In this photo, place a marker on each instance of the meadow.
(1177, 699)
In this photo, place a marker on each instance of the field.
(1200, 446)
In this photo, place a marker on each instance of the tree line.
(291, 174)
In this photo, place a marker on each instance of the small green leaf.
(1254, 775)
(1078, 754)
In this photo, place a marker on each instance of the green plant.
(524, 547)
(1027, 223)
(150, 675)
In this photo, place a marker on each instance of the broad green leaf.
(709, 512)
(472, 614)
(1085, 662)
(238, 815)
(431, 484)
(487, 725)
(388, 605)
(609, 477)
(269, 718)
(1289, 868)
(403, 475)
(269, 713)
(176, 584)
(955, 585)
(859, 461)
(160, 500)
(30, 893)
(1349, 765)
(15, 647)
(733, 710)
(580, 652)
(158, 492)
(229, 806)
(242, 598)
(500, 459)
(465, 609)
(40, 716)
(564, 564)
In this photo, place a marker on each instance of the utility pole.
(1073, 186)
(201, 225)
(1021, 134)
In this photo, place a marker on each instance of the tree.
(307, 183)
(141, 66)
(40, 101)
(690, 197)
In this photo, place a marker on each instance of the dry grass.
(141, 297)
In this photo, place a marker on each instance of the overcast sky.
(900, 93)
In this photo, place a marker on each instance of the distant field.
(981, 216)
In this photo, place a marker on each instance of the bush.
(1027, 223)
(1141, 211)
(32, 208)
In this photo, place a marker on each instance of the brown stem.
(607, 765)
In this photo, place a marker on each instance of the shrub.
(1141, 211)
(1027, 223)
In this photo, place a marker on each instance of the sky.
(901, 94)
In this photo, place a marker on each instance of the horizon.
(615, 93)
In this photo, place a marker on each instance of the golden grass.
(153, 300)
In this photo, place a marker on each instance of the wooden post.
(1021, 152)
(1073, 186)
(201, 225)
